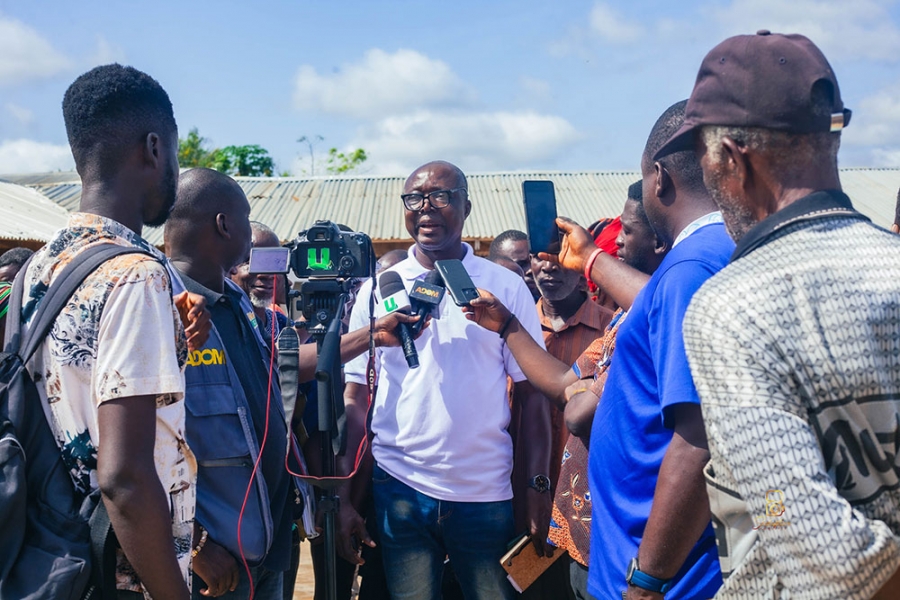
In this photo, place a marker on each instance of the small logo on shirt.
(775, 510)
(209, 356)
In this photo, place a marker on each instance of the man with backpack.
(110, 371)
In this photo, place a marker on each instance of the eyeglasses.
(437, 199)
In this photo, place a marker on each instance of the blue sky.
(499, 85)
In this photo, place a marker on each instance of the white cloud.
(538, 88)
(862, 29)
(875, 127)
(876, 121)
(885, 157)
(25, 55)
(477, 141)
(29, 156)
(612, 27)
(23, 115)
(105, 52)
(381, 84)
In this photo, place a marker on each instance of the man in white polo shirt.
(440, 442)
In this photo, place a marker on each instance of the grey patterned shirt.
(795, 351)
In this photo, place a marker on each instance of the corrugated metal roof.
(873, 192)
(372, 204)
(27, 215)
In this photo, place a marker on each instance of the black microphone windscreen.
(434, 278)
(390, 283)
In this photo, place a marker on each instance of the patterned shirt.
(5, 290)
(119, 336)
(795, 351)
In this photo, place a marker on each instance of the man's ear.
(662, 181)
(660, 246)
(151, 149)
(468, 207)
(222, 225)
(735, 161)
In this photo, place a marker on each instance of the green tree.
(192, 151)
(311, 141)
(339, 163)
(247, 161)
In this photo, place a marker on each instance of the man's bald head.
(211, 216)
(264, 236)
(205, 192)
(447, 169)
(437, 230)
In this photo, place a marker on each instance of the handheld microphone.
(395, 299)
(426, 295)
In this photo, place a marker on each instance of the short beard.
(556, 295)
(738, 218)
(258, 301)
(640, 263)
(170, 190)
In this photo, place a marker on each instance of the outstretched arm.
(543, 370)
(356, 342)
(612, 275)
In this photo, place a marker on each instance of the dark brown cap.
(763, 80)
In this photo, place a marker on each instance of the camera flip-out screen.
(269, 260)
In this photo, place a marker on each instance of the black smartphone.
(540, 216)
(457, 281)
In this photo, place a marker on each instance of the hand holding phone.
(457, 281)
(540, 217)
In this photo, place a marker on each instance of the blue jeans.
(417, 533)
(578, 576)
(267, 585)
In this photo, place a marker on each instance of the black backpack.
(52, 545)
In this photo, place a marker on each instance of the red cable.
(363, 443)
(262, 447)
(359, 452)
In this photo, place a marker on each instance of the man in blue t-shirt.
(651, 523)
(650, 531)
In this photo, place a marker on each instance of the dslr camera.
(325, 252)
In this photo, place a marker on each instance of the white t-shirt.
(442, 428)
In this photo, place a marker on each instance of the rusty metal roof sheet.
(27, 215)
(372, 204)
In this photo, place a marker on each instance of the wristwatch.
(541, 483)
(638, 578)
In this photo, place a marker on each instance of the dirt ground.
(305, 586)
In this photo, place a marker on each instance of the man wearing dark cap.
(794, 346)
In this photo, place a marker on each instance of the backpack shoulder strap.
(59, 293)
(14, 310)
